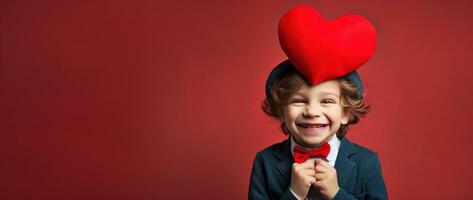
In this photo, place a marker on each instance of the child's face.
(314, 113)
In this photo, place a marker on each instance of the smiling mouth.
(308, 125)
(313, 129)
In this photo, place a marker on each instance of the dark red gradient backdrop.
(153, 99)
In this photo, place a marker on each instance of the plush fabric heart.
(324, 50)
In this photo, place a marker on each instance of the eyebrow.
(300, 94)
(329, 93)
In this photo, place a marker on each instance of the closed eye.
(328, 101)
(298, 101)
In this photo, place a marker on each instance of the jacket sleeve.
(375, 189)
(373, 185)
(258, 183)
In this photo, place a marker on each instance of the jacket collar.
(344, 164)
(283, 154)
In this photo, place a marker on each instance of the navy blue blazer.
(358, 173)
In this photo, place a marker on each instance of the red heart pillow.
(324, 50)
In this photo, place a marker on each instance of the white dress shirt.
(334, 143)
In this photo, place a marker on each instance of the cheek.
(291, 113)
(335, 114)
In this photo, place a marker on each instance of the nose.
(312, 110)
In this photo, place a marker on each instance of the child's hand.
(303, 176)
(326, 176)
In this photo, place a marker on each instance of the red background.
(152, 99)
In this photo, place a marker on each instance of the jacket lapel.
(344, 165)
(284, 166)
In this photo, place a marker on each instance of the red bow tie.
(301, 154)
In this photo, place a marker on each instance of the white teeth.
(313, 126)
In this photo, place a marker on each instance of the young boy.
(317, 161)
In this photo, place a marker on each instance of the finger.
(311, 180)
(320, 176)
(318, 184)
(321, 162)
(307, 165)
(299, 165)
(324, 164)
(303, 170)
(309, 172)
(322, 169)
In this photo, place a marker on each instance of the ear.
(281, 114)
(345, 117)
